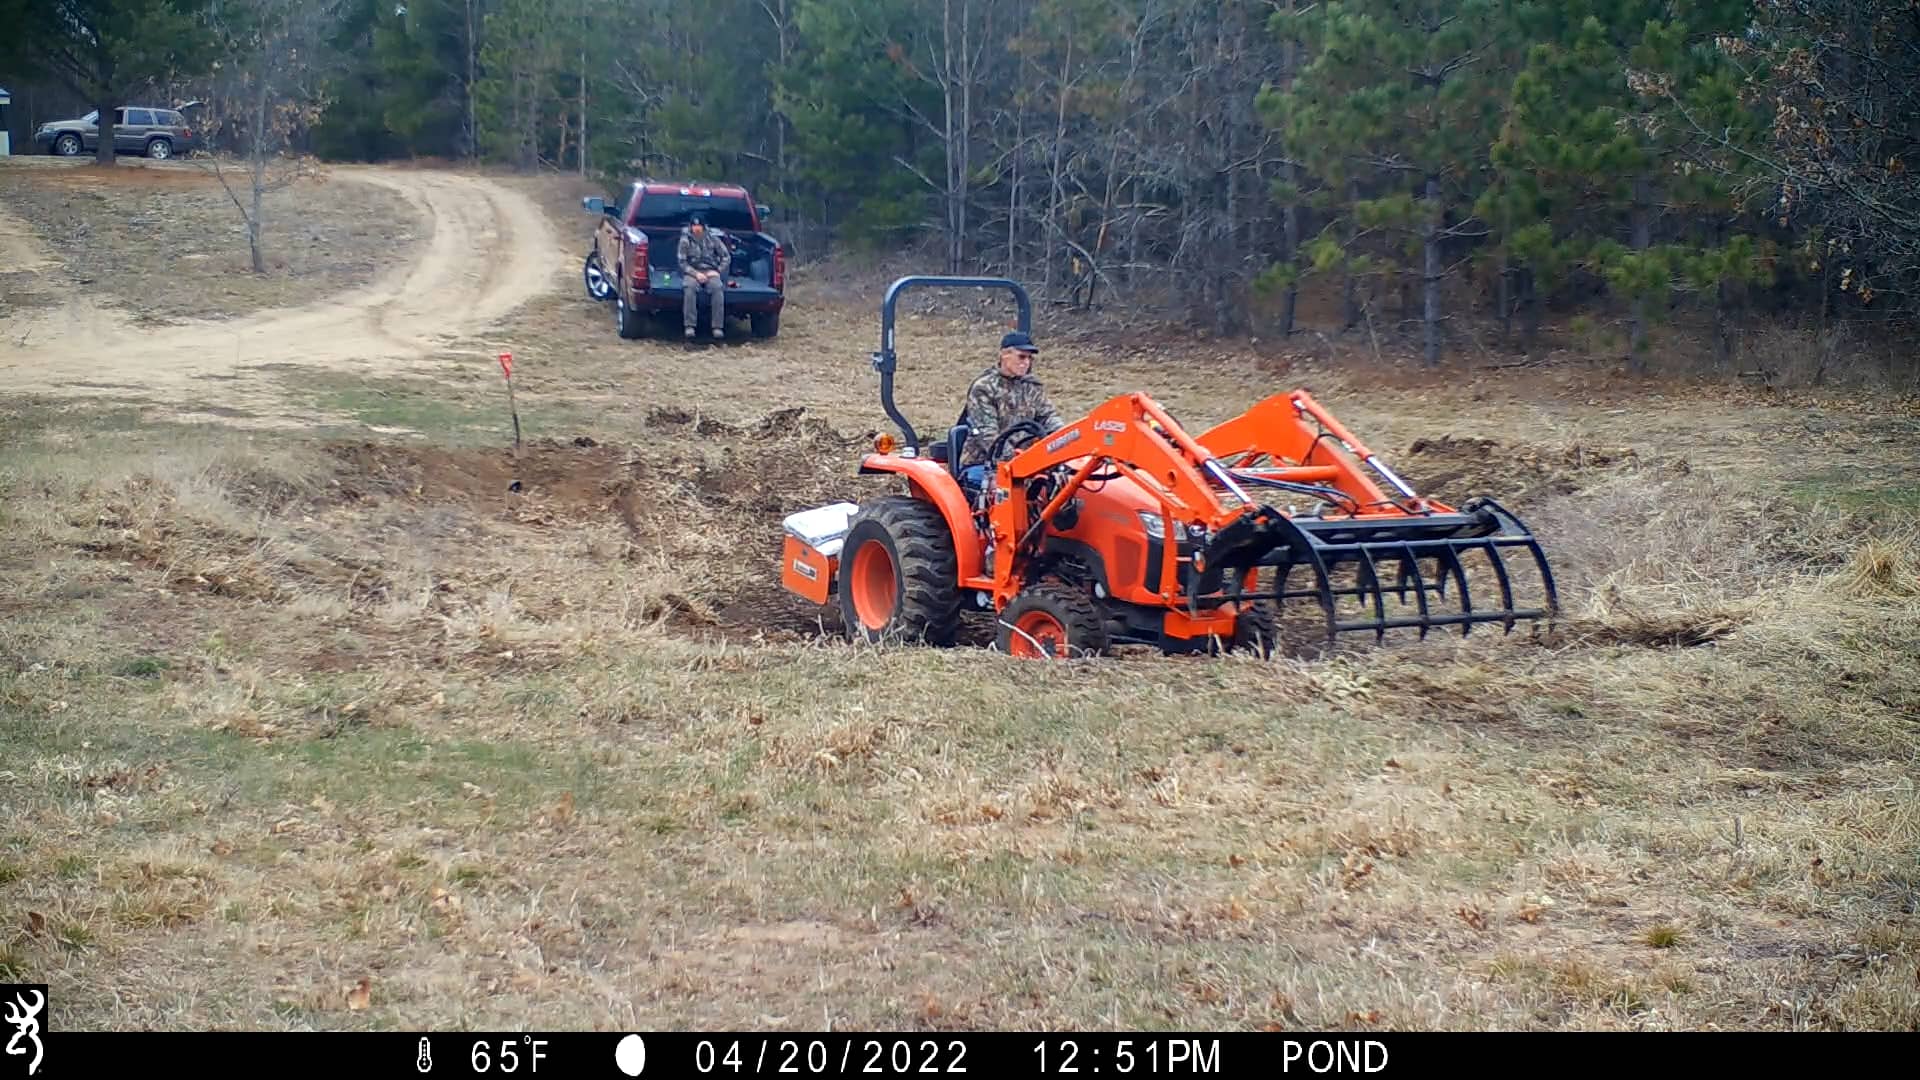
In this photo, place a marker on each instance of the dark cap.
(1018, 339)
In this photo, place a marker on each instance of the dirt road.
(489, 250)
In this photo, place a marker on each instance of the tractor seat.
(948, 453)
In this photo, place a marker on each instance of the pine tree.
(1394, 115)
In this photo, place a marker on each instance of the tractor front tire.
(899, 576)
(1052, 621)
(1255, 631)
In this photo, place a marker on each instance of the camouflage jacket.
(707, 252)
(994, 403)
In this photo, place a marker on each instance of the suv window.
(139, 118)
(674, 211)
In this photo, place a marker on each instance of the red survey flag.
(506, 363)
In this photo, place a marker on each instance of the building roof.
(3, 91)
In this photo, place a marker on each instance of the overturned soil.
(1516, 474)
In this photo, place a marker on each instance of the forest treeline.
(1443, 170)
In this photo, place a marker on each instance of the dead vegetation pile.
(1455, 469)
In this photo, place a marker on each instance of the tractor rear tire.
(1052, 621)
(899, 576)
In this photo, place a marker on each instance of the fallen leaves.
(1355, 868)
(1472, 916)
(361, 996)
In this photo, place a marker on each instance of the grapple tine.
(1379, 601)
(1506, 582)
(1325, 585)
(1400, 582)
(1451, 558)
(1419, 590)
(1546, 580)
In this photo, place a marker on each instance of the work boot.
(718, 333)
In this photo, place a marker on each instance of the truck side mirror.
(594, 204)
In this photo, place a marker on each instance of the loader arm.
(1309, 447)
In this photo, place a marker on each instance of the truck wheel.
(767, 325)
(1052, 621)
(598, 287)
(632, 323)
(67, 145)
(899, 577)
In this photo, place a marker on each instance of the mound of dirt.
(781, 425)
(1456, 469)
(580, 476)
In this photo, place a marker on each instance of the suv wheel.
(159, 149)
(67, 145)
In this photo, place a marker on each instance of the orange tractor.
(1122, 528)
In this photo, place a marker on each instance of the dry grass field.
(322, 727)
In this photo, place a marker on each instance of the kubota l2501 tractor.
(1121, 527)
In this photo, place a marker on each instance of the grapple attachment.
(1476, 566)
(1373, 561)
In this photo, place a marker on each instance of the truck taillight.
(779, 267)
(640, 262)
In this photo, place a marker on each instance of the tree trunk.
(103, 153)
(1290, 220)
(1505, 289)
(1059, 141)
(1349, 287)
(1530, 293)
(257, 170)
(585, 31)
(1013, 192)
(1430, 320)
(473, 75)
(1642, 215)
(965, 170)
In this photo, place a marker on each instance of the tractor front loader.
(1123, 528)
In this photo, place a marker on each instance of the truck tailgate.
(667, 285)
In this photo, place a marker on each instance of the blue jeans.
(973, 476)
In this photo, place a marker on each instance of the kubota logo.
(1071, 435)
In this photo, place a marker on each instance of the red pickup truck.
(635, 259)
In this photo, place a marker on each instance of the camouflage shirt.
(994, 403)
(705, 252)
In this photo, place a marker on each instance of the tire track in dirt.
(488, 249)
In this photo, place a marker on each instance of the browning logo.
(805, 571)
(25, 1006)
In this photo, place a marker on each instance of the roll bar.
(885, 360)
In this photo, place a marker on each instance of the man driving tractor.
(1002, 396)
(704, 258)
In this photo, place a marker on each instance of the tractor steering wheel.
(1031, 428)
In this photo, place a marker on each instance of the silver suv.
(157, 133)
